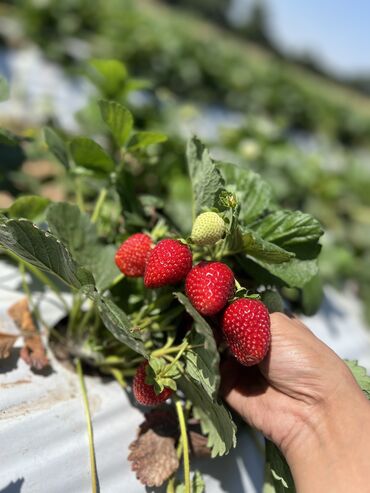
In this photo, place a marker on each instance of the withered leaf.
(153, 453)
(6, 344)
(33, 352)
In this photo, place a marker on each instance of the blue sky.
(336, 31)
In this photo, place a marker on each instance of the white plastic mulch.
(44, 445)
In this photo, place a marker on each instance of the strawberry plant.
(154, 302)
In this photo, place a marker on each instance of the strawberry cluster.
(210, 287)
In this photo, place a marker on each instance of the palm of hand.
(296, 376)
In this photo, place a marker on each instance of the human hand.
(304, 398)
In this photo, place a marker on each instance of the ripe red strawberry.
(246, 325)
(168, 263)
(144, 393)
(132, 255)
(209, 285)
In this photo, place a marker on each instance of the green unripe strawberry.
(208, 228)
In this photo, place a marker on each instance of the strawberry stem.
(99, 205)
(185, 444)
(94, 488)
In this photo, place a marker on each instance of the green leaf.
(252, 244)
(4, 89)
(362, 378)
(280, 473)
(312, 295)
(207, 357)
(258, 248)
(102, 264)
(252, 193)
(207, 182)
(108, 75)
(8, 138)
(44, 251)
(79, 234)
(118, 323)
(200, 366)
(292, 230)
(142, 140)
(295, 273)
(56, 146)
(90, 155)
(118, 119)
(28, 207)
(215, 419)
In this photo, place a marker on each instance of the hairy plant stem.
(185, 443)
(94, 487)
(99, 204)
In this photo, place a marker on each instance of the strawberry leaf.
(56, 146)
(294, 273)
(207, 182)
(143, 139)
(252, 244)
(118, 119)
(78, 233)
(118, 323)
(293, 230)
(200, 366)
(252, 193)
(108, 75)
(28, 207)
(43, 250)
(362, 378)
(215, 419)
(203, 363)
(90, 155)
(280, 475)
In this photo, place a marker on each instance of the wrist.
(329, 444)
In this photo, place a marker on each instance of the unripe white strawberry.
(208, 228)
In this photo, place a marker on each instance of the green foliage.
(91, 156)
(252, 193)
(144, 139)
(43, 250)
(119, 324)
(215, 419)
(28, 207)
(362, 378)
(279, 477)
(200, 366)
(207, 182)
(109, 76)
(56, 146)
(75, 230)
(118, 119)
(207, 357)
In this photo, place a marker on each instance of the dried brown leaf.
(33, 353)
(153, 453)
(6, 344)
